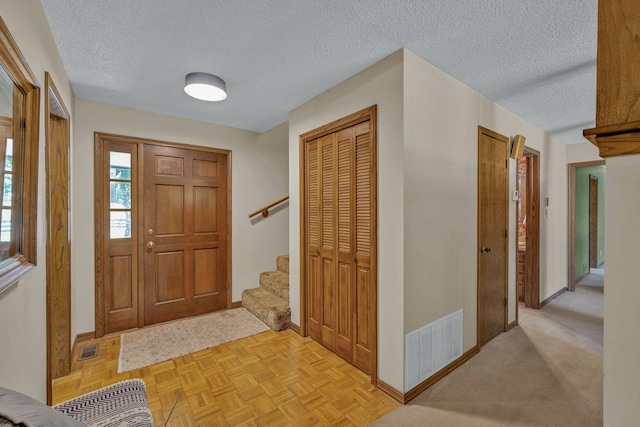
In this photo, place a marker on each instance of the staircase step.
(282, 261)
(277, 283)
(267, 307)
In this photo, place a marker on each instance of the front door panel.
(185, 233)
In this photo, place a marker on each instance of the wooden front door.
(339, 279)
(493, 168)
(185, 233)
(161, 232)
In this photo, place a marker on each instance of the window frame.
(26, 126)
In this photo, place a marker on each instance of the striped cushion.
(120, 404)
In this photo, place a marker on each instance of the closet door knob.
(487, 250)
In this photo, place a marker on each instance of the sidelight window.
(120, 195)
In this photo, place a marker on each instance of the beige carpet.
(158, 343)
(545, 372)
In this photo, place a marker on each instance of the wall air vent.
(432, 347)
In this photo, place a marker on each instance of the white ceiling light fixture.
(206, 87)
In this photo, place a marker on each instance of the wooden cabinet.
(617, 130)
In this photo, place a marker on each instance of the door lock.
(486, 250)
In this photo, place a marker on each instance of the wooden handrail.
(265, 210)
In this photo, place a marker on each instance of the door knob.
(150, 245)
(486, 249)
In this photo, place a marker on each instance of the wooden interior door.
(339, 215)
(185, 229)
(493, 184)
(593, 221)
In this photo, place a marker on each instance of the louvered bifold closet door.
(365, 296)
(340, 300)
(328, 239)
(314, 290)
(346, 220)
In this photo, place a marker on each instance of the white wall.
(23, 308)
(259, 177)
(380, 84)
(622, 293)
(440, 220)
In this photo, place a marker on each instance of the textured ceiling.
(535, 58)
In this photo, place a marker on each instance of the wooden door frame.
(593, 178)
(367, 114)
(492, 134)
(99, 137)
(58, 259)
(532, 257)
(571, 171)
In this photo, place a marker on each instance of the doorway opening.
(528, 220)
(586, 220)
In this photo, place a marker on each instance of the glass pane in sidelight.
(120, 225)
(8, 156)
(119, 165)
(120, 195)
(7, 185)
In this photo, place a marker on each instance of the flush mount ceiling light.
(206, 87)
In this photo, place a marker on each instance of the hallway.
(546, 371)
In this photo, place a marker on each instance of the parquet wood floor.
(270, 379)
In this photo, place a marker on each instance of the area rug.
(156, 344)
(120, 404)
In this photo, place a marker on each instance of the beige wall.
(259, 177)
(440, 204)
(380, 84)
(22, 308)
(622, 293)
(427, 201)
(582, 152)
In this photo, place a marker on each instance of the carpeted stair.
(270, 302)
